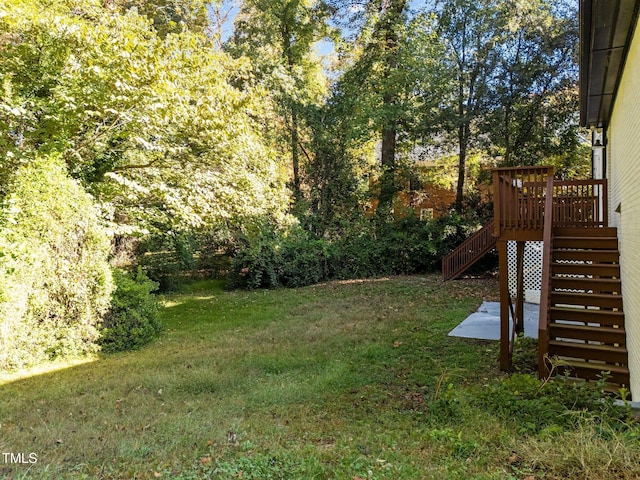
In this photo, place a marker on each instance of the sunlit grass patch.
(58, 364)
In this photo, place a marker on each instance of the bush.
(290, 258)
(167, 257)
(55, 279)
(171, 257)
(294, 257)
(132, 320)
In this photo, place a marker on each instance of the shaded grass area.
(345, 380)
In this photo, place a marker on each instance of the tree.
(169, 16)
(392, 16)
(279, 37)
(470, 32)
(535, 93)
(221, 14)
(55, 279)
(154, 127)
(515, 70)
(110, 128)
(391, 83)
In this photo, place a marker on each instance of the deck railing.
(521, 206)
(580, 202)
(543, 314)
(520, 194)
(519, 198)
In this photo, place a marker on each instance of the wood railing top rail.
(519, 197)
(591, 181)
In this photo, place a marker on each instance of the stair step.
(593, 269)
(597, 256)
(606, 318)
(581, 231)
(604, 285)
(601, 300)
(592, 371)
(608, 335)
(587, 351)
(590, 243)
(590, 337)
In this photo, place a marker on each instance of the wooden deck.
(581, 325)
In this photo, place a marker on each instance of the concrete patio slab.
(485, 322)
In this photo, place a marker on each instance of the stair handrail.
(469, 252)
(543, 332)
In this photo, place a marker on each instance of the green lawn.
(348, 380)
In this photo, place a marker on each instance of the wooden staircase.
(585, 321)
(469, 252)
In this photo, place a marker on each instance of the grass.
(346, 380)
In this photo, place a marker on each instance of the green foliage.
(171, 16)
(56, 283)
(535, 91)
(371, 247)
(166, 258)
(132, 319)
(277, 258)
(156, 127)
(278, 37)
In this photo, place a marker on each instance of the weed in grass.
(536, 407)
(525, 355)
(590, 451)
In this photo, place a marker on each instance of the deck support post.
(518, 321)
(505, 356)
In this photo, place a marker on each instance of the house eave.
(606, 30)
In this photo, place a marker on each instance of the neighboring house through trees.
(418, 193)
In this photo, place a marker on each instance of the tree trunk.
(387, 184)
(462, 165)
(393, 10)
(293, 134)
(463, 137)
(295, 156)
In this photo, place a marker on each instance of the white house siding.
(623, 157)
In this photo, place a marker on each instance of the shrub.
(56, 282)
(294, 257)
(290, 258)
(132, 320)
(170, 257)
(166, 257)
